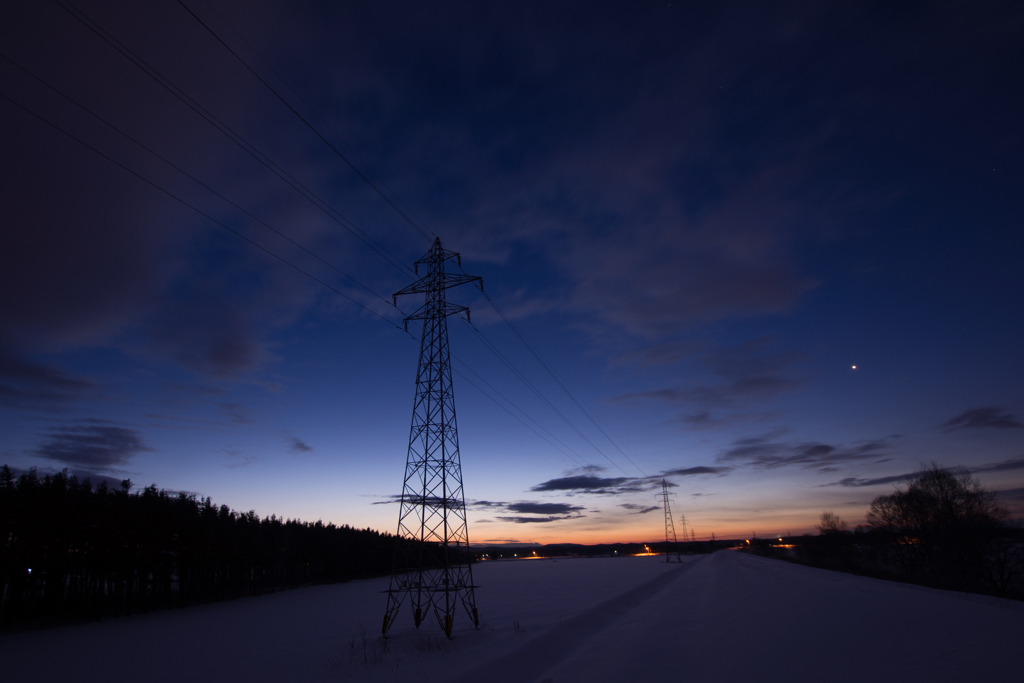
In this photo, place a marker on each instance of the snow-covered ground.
(724, 617)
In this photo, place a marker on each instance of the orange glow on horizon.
(796, 522)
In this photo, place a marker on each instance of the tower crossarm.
(431, 282)
(437, 254)
(427, 312)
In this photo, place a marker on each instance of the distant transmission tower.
(670, 527)
(431, 565)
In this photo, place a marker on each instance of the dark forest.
(71, 551)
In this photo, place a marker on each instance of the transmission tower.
(670, 527)
(432, 564)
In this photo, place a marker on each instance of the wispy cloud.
(297, 446)
(543, 508)
(1002, 466)
(92, 443)
(528, 512)
(24, 384)
(1011, 495)
(592, 484)
(767, 451)
(524, 512)
(238, 458)
(988, 417)
(589, 484)
(635, 509)
(877, 481)
(238, 414)
(735, 379)
(537, 520)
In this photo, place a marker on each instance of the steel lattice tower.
(670, 527)
(432, 563)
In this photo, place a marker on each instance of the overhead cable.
(316, 132)
(232, 135)
(194, 208)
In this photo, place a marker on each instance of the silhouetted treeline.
(72, 551)
(943, 530)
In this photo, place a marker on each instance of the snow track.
(560, 642)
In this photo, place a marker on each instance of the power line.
(327, 125)
(295, 111)
(310, 196)
(558, 380)
(579, 403)
(291, 108)
(193, 178)
(538, 393)
(472, 384)
(197, 210)
(247, 213)
(413, 224)
(510, 402)
(232, 135)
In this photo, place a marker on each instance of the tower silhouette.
(432, 563)
(670, 527)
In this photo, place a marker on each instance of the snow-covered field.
(724, 617)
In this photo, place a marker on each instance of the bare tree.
(944, 527)
(831, 523)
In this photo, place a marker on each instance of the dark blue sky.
(702, 216)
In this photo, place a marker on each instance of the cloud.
(93, 443)
(693, 471)
(589, 483)
(239, 459)
(1010, 465)
(983, 418)
(663, 353)
(536, 520)
(856, 481)
(1013, 500)
(1003, 466)
(239, 414)
(723, 384)
(660, 203)
(1015, 495)
(528, 512)
(543, 508)
(245, 461)
(639, 509)
(705, 419)
(206, 332)
(136, 272)
(24, 384)
(297, 446)
(767, 452)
